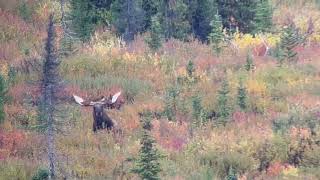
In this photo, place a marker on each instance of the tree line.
(165, 19)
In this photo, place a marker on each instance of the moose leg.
(94, 126)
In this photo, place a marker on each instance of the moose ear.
(78, 99)
(115, 97)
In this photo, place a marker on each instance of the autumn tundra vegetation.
(154, 89)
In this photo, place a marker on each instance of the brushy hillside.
(227, 116)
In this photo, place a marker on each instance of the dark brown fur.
(100, 119)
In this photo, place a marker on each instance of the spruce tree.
(223, 103)
(173, 18)
(198, 113)
(82, 15)
(50, 86)
(85, 15)
(147, 165)
(150, 8)
(171, 101)
(128, 18)
(237, 14)
(155, 39)
(290, 38)
(263, 17)
(242, 96)
(216, 36)
(3, 92)
(200, 14)
(249, 66)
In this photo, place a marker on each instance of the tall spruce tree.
(216, 36)
(200, 14)
(82, 15)
(147, 165)
(223, 103)
(150, 8)
(85, 15)
(3, 92)
(49, 87)
(173, 18)
(263, 17)
(128, 18)
(155, 39)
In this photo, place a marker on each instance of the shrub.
(3, 92)
(41, 174)
(226, 164)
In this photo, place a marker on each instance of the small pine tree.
(223, 104)
(289, 39)
(242, 96)
(216, 36)
(278, 53)
(147, 165)
(198, 111)
(249, 62)
(25, 11)
(190, 69)
(263, 17)
(3, 92)
(155, 39)
(171, 103)
(41, 174)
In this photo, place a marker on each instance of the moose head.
(100, 119)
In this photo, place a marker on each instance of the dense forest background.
(211, 89)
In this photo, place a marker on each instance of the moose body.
(100, 118)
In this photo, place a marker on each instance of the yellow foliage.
(4, 70)
(256, 87)
(245, 41)
(291, 171)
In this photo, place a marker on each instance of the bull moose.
(100, 118)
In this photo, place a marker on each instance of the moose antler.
(102, 100)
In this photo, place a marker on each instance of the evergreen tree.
(242, 96)
(150, 7)
(216, 36)
(49, 88)
(155, 39)
(237, 14)
(289, 39)
(190, 69)
(173, 18)
(223, 103)
(249, 62)
(200, 14)
(171, 103)
(81, 14)
(85, 15)
(198, 113)
(263, 16)
(147, 165)
(128, 18)
(3, 92)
